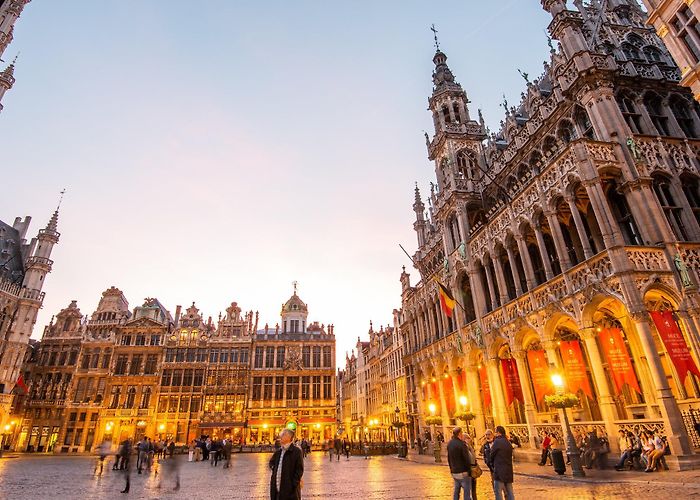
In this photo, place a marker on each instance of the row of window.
(311, 357)
(134, 367)
(141, 339)
(129, 399)
(316, 387)
(213, 355)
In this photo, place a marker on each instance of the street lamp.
(564, 401)
(436, 444)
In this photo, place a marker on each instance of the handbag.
(476, 471)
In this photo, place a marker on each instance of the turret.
(421, 225)
(7, 80)
(39, 263)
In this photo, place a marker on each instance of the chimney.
(178, 309)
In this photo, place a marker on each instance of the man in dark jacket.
(458, 456)
(287, 465)
(500, 462)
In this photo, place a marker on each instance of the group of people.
(212, 450)
(497, 452)
(593, 449)
(642, 450)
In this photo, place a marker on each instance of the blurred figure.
(102, 452)
(125, 454)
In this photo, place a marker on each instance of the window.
(130, 397)
(294, 325)
(155, 339)
(73, 358)
(316, 388)
(116, 393)
(140, 339)
(126, 339)
(198, 378)
(292, 388)
(79, 391)
(257, 381)
(692, 194)
(306, 356)
(95, 359)
(629, 113)
(327, 387)
(656, 112)
(214, 356)
(187, 378)
(106, 357)
(279, 388)
(151, 364)
(622, 213)
(583, 123)
(683, 111)
(280, 357)
(686, 29)
(259, 351)
(169, 355)
(194, 404)
(177, 378)
(135, 367)
(269, 357)
(234, 355)
(166, 378)
(317, 356)
(223, 356)
(120, 365)
(145, 398)
(85, 361)
(327, 357)
(267, 389)
(673, 212)
(244, 355)
(305, 387)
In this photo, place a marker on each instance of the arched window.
(116, 394)
(567, 132)
(683, 111)
(549, 146)
(692, 194)
(631, 52)
(583, 123)
(626, 103)
(465, 290)
(455, 109)
(446, 113)
(655, 108)
(652, 54)
(636, 40)
(535, 160)
(485, 285)
(466, 165)
(622, 213)
(672, 211)
(130, 397)
(145, 398)
(455, 236)
(523, 172)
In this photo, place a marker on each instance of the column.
(543, 251)
(492, 290)
(550, 347)
(587, 251)
(527, 263)
(605, 399)
(609, 229)
(558, 238)
(474, 395)
(530, 406)
(443, 407)
(501, 280)
(498, 400)
(676, 433)
(514, 270)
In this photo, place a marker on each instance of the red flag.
(675, 344)
(511, 380)
(574, 367)
(539, 369)
(447, 301)
(485, 389)
(20, 383)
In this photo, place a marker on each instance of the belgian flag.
(447, 301)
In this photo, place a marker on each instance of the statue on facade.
(458, 343)
(632, 146)
(682, 271)
(478, 337)
(462, 249)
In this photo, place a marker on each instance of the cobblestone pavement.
(379, 478)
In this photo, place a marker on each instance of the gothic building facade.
(570, 239)
(123, 373)
(10, 11)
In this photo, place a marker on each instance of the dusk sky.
(216, 151)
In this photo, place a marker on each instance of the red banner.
(449, 393)
(619, 364)
(673, 340)
(539, 372)
(575, 367)
(485, 388)
(511, 381)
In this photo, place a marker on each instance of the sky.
(218, 153)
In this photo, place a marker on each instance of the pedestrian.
(287, 466)
(545, 448)
(346, 448)
(142, 450)
(125, 452)
(486, 446)
(228, 450)
(171, 449)
(190, 450)
(475, 474)
(365, 449)
(330, 449)
(338, 444)
(103, 451)
(460, 462)
(501, 465)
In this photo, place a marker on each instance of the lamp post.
(436, 443)
(463, 401)
(572, 450)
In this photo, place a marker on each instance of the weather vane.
(295, 283)
(60, 199)
(435, 32)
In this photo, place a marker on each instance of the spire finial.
(60, 199)
(435, 32)
(295, 284)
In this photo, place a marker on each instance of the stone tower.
(10, 11)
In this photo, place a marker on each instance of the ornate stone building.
(373, 386)
(570, 239)
(293, 377)
(23, 269)
(10, 11)
(676, 22)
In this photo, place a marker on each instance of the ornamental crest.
(292, 360)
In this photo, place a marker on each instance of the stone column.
(543, 251)
(498, 400)
(550, 347)
(691, 319)
(443, 406)
(500, 278)
(558, 238)
(605, 399)
(530, 406)
(580, 229)
(527, 263)
(492, 290)
(514, 270)
(474, 395)
(609, 228)
(676, 433)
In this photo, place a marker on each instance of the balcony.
(39, 262)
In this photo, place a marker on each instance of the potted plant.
(567, 400)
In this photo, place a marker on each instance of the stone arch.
(557, 320)
(525, 336)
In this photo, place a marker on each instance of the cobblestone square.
(378, 478)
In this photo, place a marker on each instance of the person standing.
(125, 452)
(501, 464)
(142, 449)
(287, 466)
(460, 462)
(545, 448)
(228, 449)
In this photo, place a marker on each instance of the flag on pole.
(447, 301)
(20, 384)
